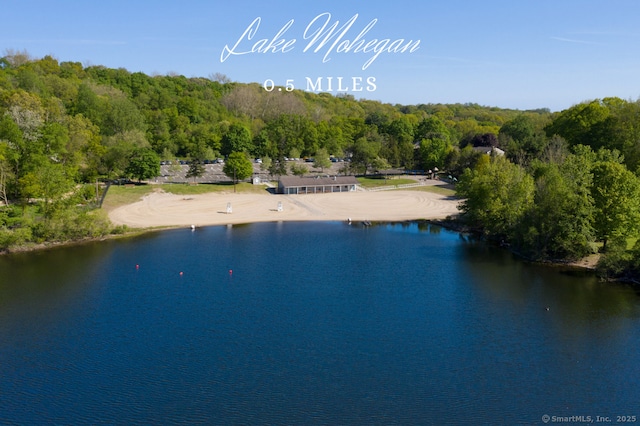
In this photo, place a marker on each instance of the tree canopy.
(144, 163)
(566, 184)
(238, 166)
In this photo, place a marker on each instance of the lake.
(310, 323)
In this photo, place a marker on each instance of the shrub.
(14, 237)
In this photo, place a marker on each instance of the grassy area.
(366, 182)
(121, 195)
(205, 188)
(631, 242)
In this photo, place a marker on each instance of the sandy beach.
(161, 209)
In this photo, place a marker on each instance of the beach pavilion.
(316, 185)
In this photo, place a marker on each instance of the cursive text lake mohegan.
(321, 36)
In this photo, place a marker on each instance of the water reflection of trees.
(47, 283)
(573, 296)
(429, 227)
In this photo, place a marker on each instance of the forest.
(562, 185)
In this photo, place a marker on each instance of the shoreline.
(161, 209)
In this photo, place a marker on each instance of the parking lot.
(213, 172)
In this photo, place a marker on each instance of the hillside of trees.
(565, 189)
(566, 186)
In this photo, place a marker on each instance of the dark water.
(316, 324)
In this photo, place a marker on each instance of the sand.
(161, 209)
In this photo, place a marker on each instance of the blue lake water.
(309, 323)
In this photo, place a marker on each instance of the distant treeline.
(64, 126)
(94, 119)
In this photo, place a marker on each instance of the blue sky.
(512, 54)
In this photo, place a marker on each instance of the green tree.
(616, 195)
(4, 173)
(90, 105)
(625, 132)
(633, 266)
(497, 194)
(380, 164)
(196, 169)
(294, 153)
(522, 138)
(83, 148)
(576, 124)
(278, 167)
(435, 142)
(433, 153)
(238, 166)
(432, 128)
(401, 129)
(299, 169)
(398, 145)
(122, 115)
(363, 154)
(144, 163)
(48, 182)
(21, 126)
(459, 160)
(236, 139)
(321, 159)
(559, 224)
(266, 163)
(13, 151)
(618, 261)
(287, 132)
(521, 129)
(118, 150)
(54, 140)
(261, 145)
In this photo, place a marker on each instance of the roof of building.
(488, 150)
(289, 181)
